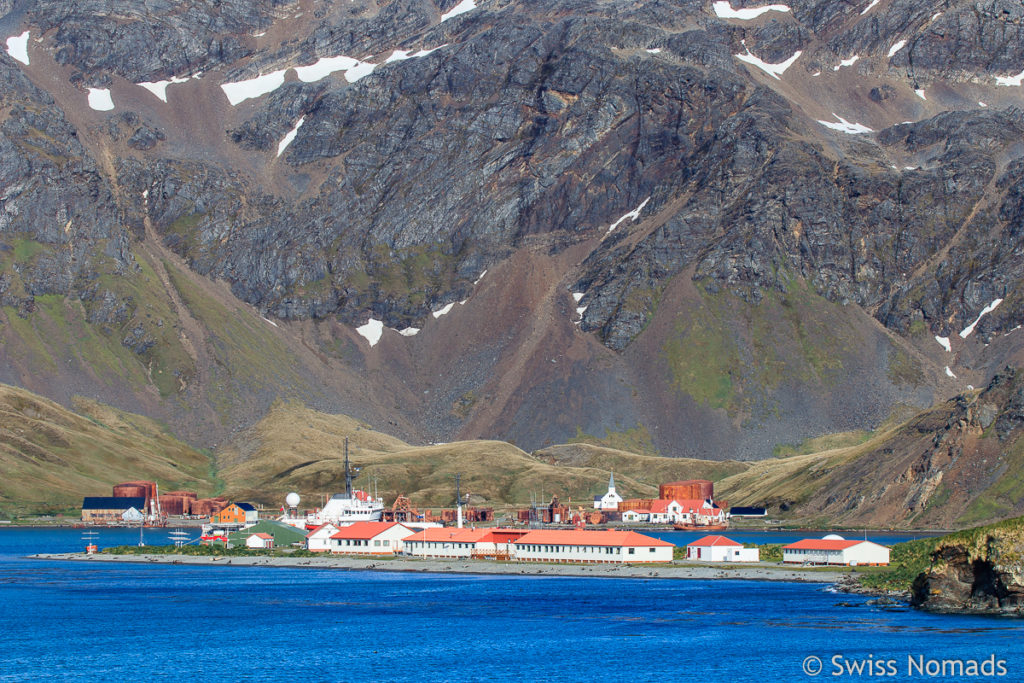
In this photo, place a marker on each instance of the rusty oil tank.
(691, 489)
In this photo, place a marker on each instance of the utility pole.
(458, 501)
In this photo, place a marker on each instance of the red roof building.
(464, 543)
(576, 545)
(717, 548)
(369, 538)
(835, 550)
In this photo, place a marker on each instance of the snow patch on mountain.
(897, 47)
(846, 62)
(949, 373)
(100, 99)
(633, 215)
(399, 55)
(372, 331)
(287, 139)
(240, 91)
(445, 310)
(944, 343)
(966, 332)
(774, 70)
(461, 8)
(1010, 81)
(159, 88)
(723, 10)
(844, 126)
(17, 47)
(869, 7)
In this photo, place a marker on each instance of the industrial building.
(109, 509)
(836, 550)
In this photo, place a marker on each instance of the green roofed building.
(284, 534)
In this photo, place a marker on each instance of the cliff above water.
(980, 571)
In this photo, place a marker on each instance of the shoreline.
(679, 571)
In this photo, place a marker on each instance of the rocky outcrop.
(977, 575)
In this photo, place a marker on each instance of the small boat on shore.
(685, 526)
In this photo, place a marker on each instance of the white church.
(610, 500)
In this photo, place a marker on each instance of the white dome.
(292, 499)
(833, 537)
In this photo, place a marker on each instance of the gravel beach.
(677, 570)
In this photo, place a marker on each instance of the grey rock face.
(529, 124)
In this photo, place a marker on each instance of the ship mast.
(348, 474)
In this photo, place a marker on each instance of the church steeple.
(611, 482)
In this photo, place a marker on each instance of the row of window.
(360, 542)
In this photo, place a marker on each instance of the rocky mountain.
(957, 464)
(711, 228)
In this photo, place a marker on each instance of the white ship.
(342, 509)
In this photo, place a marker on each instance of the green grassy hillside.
(52, 457)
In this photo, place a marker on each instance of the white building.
(610, 500)
(463, 543)
(369, 538)
(635, 516)
(260, 541)
(577, 545)
(700, 513)
(720, 549)
(835, 549)
(319, 539)
(666, 511)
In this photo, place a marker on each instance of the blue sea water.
(67, 621)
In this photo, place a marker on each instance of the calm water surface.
(68, 621)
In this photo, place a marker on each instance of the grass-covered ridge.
(52, 457)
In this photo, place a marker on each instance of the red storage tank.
(175, 505)
(691, 489)
(131, 491)
(635, 504)
(135, 489)
(183, 494)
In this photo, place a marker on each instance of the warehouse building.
(577, 545)
(109, 509)
(834, 549)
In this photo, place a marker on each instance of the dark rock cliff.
(673, 183)
(985, 576)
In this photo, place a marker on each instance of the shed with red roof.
(259, 540)
(716, 548)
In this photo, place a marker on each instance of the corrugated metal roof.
(822, 544)
(366, 530)
(592, 538)
(113, 503)
(713, 540)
